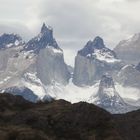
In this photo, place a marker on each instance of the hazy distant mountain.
(129, 50)
(129, 76)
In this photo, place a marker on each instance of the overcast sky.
(74, 21)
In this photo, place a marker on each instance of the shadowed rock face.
(93, 61)
(51, 67)
(60, 120)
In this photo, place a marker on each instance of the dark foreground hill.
(61, 120)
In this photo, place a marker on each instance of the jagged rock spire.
(46, 28)
(98, 43)
(89, 48)
(108, 97)
(42, 40)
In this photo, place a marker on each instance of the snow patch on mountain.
(103, 56)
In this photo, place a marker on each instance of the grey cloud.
(76, 22)
(84, 19)
(133, 0)
(16, 28)
(69, 18)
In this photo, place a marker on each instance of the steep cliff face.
(93, 61)
(129, 50)
(51, 66)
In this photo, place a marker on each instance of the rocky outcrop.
(129, 50)
(93, 61)
(108, 98)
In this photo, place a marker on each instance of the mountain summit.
(97, 43)
(94, 60)
(46, 28)
(42, 40)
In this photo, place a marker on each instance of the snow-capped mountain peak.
(42, 40)
(97, 50)
(89, 48)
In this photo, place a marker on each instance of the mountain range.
(37, 71)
